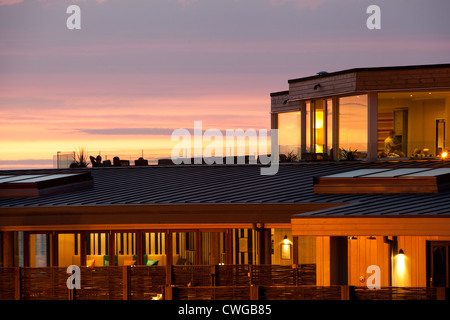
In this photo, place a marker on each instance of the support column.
(54, 249)
(139, 248)
(82, 249)
(111, 248)
(8, 249)
(215, 248)
(198, 247)
(295, 250)
(229, 246)
(372, 128)
(26, 249)
(265, 245)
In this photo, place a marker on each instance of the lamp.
(444, 155)
(285, 248)
(400, 251)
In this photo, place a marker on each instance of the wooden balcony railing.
(229, 282)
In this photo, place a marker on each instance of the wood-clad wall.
(363, 252)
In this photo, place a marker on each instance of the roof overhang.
(138, 216)
(371, 226)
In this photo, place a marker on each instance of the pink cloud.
(9, 2)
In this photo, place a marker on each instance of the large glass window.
(329, 126)
(308, 123)
(413, 124)
(69, 249)
(154, 248)
(289, 134)
(353, 127)
(184, 248)
(318, 127)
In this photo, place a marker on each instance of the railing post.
(168, 292)
(254, 292)
(345, 293)
(440, 293)
(295, 267)
(17, 283)
(213, 275)
(126, 282)
(169, 274)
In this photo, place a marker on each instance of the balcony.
(198, 282)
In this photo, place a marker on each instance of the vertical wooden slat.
(8, 248)
(26, 249)
(111, 248)
(139, 248)
(54, 251)
(198, 247)
(82, 249)
(229, 246)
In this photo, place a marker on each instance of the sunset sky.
(139, 69)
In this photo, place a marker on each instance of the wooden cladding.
(361, 80)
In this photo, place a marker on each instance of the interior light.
(400, 251)
(444, 155)
(286, 240)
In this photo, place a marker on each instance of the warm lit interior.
(419, 120)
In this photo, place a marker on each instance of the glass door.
(439, 264)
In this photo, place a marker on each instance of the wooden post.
(345, 293)
(267, 246)
(26, 249)
(54, 249)
(139, 248)
(8, 249)
(229, 246)
(213, 271)
(254, 292)
(126, 282)
(111, 248)
(169, 258)
(441, 293)
(295, 250)
(82, 249)
(168, 292)
(17, 283)
(198, 247)
(215, 248)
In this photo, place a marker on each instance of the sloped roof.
(235, 184)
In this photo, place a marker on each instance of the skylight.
(34, 185)
(404, 180)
